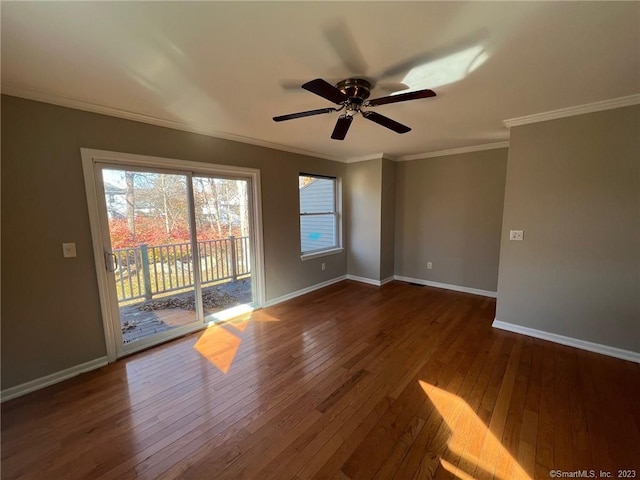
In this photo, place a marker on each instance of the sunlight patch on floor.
(262, 316)
(219, 346)
(454, 470)
(240, 323)
(471, 440)
(220, 341)
(230, 313)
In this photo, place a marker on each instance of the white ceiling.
(228, 68)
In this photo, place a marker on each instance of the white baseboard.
(457, 288)
(571, 342)
(297, 293)
(47, 380)
(370, 281)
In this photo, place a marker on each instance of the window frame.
(337, 216)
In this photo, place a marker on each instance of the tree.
(156, 209)
(131, 202)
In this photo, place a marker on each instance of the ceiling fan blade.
(402, 68)
(293, 85)
(392, 87)
(308, 113)
(344, 43)
(325, 90)
(342, 127)
(402, 97)
(385, 122)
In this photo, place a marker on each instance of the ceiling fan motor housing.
(357, 89)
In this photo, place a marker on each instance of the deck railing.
(147, 271)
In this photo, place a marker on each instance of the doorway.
(177, 245)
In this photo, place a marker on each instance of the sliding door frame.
(92, 158)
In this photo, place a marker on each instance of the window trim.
(321, 253)
(337, 213)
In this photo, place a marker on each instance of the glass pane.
(317, 232)
(317, 195)
(150, 238)
(222, 229)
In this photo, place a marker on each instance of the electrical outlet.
(429, 265)
(517, 235)
(323, 265)
(68, 250)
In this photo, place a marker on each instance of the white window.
(319, 215)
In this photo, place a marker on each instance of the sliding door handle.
(110, 261)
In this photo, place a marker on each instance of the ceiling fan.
(352, 94)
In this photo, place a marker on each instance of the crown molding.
(454, 151)
(32, 94)
(373, 156)
(572, 111)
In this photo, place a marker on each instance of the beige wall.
(573, 186)
(50, 306)
(449, 212)
(362, 208)
(388, 220)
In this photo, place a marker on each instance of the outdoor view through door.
(159, 280)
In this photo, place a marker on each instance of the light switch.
(69, 250)
(516, 235)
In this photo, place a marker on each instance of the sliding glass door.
(224, 243)
(150, 255)
(178, 249)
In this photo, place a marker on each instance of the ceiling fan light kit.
(352, 95)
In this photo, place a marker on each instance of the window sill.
(322, 253)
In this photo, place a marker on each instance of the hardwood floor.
(348, 382)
